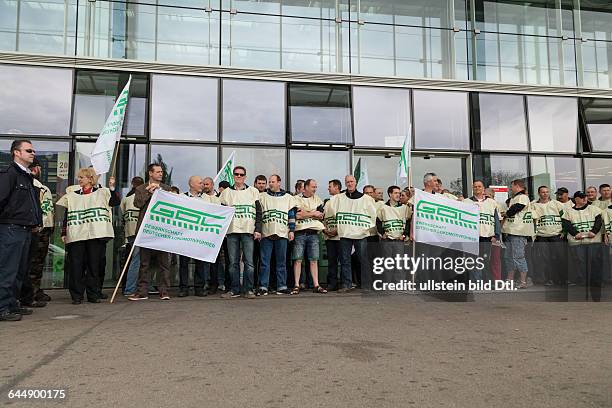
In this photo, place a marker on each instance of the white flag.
(361, 174)
(226, 172)
(444, 222)
(102, 154)
(183, 225)
(401, 177)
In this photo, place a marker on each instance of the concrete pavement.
(313, 351)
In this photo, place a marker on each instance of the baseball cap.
(580, 194)
(562, 190)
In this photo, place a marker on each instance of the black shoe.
(183, 293)
(93, 300)
(103, 296)
(22, 311)
(200, 293)
(9, 317)
(35, 304)
(77, 301)
(42, 296)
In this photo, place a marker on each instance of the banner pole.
(127, 263)
(114, 161)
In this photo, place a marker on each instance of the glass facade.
(312, 125)
(562, 42)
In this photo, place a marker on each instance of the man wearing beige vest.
(244, 230)
(518, 227)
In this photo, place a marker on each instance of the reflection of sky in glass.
(321, 124)
(553, 124)
(431, 132)
(183, 162)
(601, 136)
(253, 111)
(502, 122)
(446, 168)
(184, 108)
(598, 171)
(91, 111)
(37, 102)
(382, 116)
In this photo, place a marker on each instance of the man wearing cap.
(548, 246)
(563, 197)
(20, 213)
(585, 232)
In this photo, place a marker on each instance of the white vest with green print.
(88, 215)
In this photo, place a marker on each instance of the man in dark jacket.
(20, 213)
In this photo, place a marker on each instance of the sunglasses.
(29, 150)
(239, 174)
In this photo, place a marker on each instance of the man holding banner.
(142, 198)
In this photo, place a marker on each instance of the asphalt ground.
(499, 350)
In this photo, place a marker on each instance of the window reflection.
(95, 96)
(556, 172)
(452, 132)
(598, 118)
(35, 101)
(553, 123)
(502, 122)
(320, 113)
(184, 108)
(499, 170)
(381, 116)
(253, 111)
(597, 171)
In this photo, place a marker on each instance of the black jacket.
(19, 199)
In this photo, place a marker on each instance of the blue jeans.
(14, 262)
(514, 257)
(280, 254)
(131, 282)
(234, 241)
(361, 251)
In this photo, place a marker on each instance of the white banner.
(183, 225)
(444, 222)
(226, 172)
(102, 155)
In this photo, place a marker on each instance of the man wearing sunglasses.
(20, 214)
(243, 231)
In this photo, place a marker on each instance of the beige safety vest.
(88, 215)
(329, 220)
(354, 217)
(548, 218)
(212, 199)
(522, 223)
(275, 214)
(394, 219)
(487, 208)
(46, 204)
(308, 204)
(583, 221)
(602, 205)
(130, 216)
(244, 203)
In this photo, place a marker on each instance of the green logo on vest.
(130, 215)
(549, 220)
(46, 206)
(244, 211)
(584, 226)
(448, 215)
(488, 219)
(274, 216)
(393, 225)
(96, 214)
(356, 220)
(184, 217)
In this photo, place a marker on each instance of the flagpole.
(114, 161)
(127, 263)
